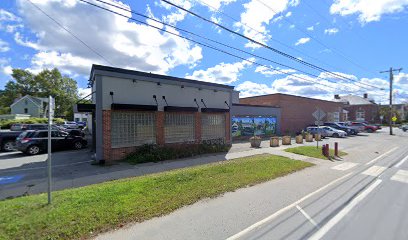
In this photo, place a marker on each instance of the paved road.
(363, 197)
(21, 174)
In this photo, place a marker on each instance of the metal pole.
(49, 148)
(390, 117)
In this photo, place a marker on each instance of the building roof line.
(151, 75)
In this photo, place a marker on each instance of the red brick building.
(359, 109)
(296, 111)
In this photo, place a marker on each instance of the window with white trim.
(179, 127)
(212, 126)
(130, 128)
(360, 115)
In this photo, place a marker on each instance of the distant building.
(296, 111)
(29, 105)
(359, 109)
(402, 110)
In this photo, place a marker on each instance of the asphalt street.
(365, 196)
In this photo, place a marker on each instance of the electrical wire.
(210, 46)
(70, 33)
(263, 45)
(217, 42)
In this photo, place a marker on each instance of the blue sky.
(355, 39)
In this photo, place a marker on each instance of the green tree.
(46, 83)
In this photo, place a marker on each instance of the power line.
(259, 32)
(70, 33)
(207, 45)
(217, 42)
(264, 45)
(316, 39)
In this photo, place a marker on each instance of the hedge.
(6, 124)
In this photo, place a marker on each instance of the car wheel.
(33, 150)
(8, 146)
(336, 135)
(78, 145)
(369, 130)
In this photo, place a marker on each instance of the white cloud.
(292, 26)
(367, 10)
(257, 15)
(215, 5)
(123, 42)
(331, 31)
(288, 14)
(249, 89)
(302, 41)
(5, 69)
(8, 16)
(311, 28)
(269, 72)
(401, 79)
(4, 46)
(222, 73)
(83, 92)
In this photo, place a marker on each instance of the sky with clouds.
(354, 39)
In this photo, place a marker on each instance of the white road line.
(307, 216)
(400, 176)
(382, 155)
(344, 166)
(374, 171)
(401, 162)
(282, 210)
(336, 219)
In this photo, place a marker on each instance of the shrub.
(6, 124)
(154, 153)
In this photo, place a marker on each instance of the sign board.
(381, 117)
(319, 114)
(318, 123)
(394, 119)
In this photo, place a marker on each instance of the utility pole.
(391, 72)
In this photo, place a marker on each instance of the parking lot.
(21, 174)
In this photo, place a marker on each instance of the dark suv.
(35, 142)
(348, 130)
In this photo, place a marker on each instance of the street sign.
(319, 114)
(381, 117)
(394, 119)
(318, 123)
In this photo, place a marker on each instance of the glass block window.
(130, 129)
(179, 127)
(212, 126)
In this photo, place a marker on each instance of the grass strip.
(312, 151)
(82, 212)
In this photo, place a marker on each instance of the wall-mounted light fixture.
(227, 104)
(164, 99)
(182, 86)
(111, 94)
(134, 81)
(155, 99)
(158, 84)
(202, 100)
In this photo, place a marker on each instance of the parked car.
(7, 140)
(317, 130)
(358, 127)
(365, 127)
(22, 127)
(70, 125)
(332, 132)
(35, 142)
(404, 127)
(348, 130)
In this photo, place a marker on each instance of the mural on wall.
(249, 126)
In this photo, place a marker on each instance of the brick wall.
(110, 153)
(106, 129)
(371, 112)
(296, 112)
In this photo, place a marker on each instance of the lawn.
(83, 212)
(312, 151)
